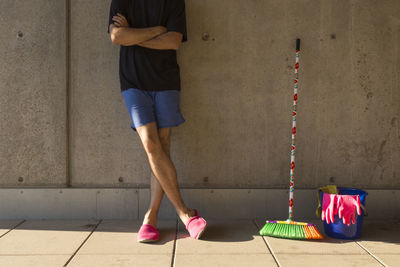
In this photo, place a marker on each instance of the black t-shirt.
(144, 68)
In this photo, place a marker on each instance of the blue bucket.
(340, 230)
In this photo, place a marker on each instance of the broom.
(289, 228)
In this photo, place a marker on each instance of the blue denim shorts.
(148, 106)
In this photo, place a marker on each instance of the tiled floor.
(225, 243)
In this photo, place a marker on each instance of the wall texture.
(237, 86)
(33, 117)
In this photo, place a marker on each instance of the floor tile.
(46, 237)
(295, 260)
(211, 260)
(222, 237)
(6, 225)
(120, 237)
(224, 243)
(114, 244)
(389, 259)
(122, 260)
(381, 237)
(33, 260)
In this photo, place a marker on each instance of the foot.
(196, 226)
(147, 233)
(185, 217)
(150, 218)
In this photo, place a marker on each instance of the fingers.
(117, 20)
(353, 218)
(327, 216)
(358, 205)
(120, 20)
(350, 220)
(340, 211)
(119, 14)
(330, 216)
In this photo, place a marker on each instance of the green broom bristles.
(291, 230)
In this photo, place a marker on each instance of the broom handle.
(293, 146)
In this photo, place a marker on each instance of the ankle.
(186, 212)
(150, 218)
(186, 215)
(151, 221)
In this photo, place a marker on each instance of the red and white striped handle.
(293, 146)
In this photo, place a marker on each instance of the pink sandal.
(196, 226)
(147, 233)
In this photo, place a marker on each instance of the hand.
(120, 20)
(162, 29)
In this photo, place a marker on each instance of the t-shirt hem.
(164, 89)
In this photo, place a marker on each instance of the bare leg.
(163, 169)
(156, 191)
(156, 195)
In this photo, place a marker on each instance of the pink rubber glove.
(347, 206)
(329, 207)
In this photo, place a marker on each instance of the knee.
(164, 142)
(152, 146)
(164, 137)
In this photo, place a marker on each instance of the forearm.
(131, 36)
(165, 41)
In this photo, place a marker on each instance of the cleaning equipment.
(329, 207)
(337, 229)
(289, 228)
(347, 206)
(331, 189)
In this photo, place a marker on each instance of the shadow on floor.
(224, 231)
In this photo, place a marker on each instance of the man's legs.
(163, 170)
(156, 191)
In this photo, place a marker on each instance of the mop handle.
(293, 146)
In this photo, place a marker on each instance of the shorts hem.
(170, 125)
(159, 126)
(134, 127)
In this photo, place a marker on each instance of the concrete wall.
(236, 97)
(33, 117)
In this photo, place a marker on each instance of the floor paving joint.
(15, 226)
(268, 245)
(174, 245)
(84, 241)
(370, 253)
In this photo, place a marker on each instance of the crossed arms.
(152, 37)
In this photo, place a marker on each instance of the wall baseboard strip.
(132, 203)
